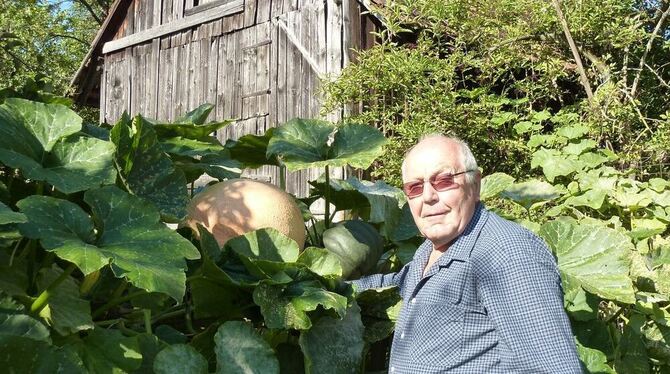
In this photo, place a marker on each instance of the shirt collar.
(461, 247)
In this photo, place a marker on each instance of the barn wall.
(248, 64)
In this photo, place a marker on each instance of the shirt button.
(402, 336)
(392, 369)
(413, 300)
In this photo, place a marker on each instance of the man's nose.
(429, 194)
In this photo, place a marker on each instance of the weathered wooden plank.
(248, 73)
(281, 78)
(263, 63)
(226, 75)
(263, 11)
(212, 73)
(194, 71)
(148, 14)
(238, 72)
(166, 11)
(305, 38)
(271, 121)
(157, 12)
(250, 12)
(204, 5)
(235, 6)
(154, 74)
(276, 8)
(296, 61)
(163, 88)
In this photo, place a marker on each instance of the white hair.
(467, 158)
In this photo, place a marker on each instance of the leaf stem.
(326, 214)
(42, 299)
(282, 177)
(116, 301)
(147, 320)
(16, 247)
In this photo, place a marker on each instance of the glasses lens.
(413, 189)
(443, 182)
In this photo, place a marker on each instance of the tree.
(482, 69)
(43, 41)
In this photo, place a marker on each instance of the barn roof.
(85, 84)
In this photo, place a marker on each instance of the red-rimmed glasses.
(440, 182)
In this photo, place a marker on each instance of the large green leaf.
(287, 306)
(146, 170)
(591, 198)
(239, 349)
(130, 237)
(334, 345)
(24, 355)
(14, 321)
(190, 147)
(594, 257)
(379, 310)
(321, 261)
(302, 144)
(65, 311)
(108, 351)
(593, 361)
(180, 359)
(7, 215)
(494, 184)
(554, 163)
(264, 251)
(197, 116)
(631, 355)
(27, 123)
(216, 294)
(251, 150)
(531, 192)
(39, 140)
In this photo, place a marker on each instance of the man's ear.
(478, 182)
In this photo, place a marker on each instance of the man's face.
(441, 216)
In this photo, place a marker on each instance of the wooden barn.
(259, 61)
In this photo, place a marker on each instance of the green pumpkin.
(357, 244)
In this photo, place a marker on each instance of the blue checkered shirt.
(492, 303)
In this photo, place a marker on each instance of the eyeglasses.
(441, 182)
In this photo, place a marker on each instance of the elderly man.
(482, 294)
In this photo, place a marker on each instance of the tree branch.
(660, 79)
(91, 11)
(573, 48)
(53, 36)
(650, 42)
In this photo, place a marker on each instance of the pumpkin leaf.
(287, 306)
(146, 170)
(593, 256)
(334, 345)
(301, 144)
(132, 239)
(239, 349)
(530, 192)
(14, 321)
(65, 311)
(494, 184)
(251, 150)
(554, 163)
(197, 116)
(108, 351)
(7, 215)
(593, 360)
(178, 359)
(321, 261)
(39, 140)
(21, 354)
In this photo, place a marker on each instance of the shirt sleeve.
(381, 280)
(524, 298)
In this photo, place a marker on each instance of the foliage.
(475, 69)
(92, 280)
(43, 42)
(610, 235)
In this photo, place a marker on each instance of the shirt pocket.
(437, 338)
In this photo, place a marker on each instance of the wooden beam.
(235, 6)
